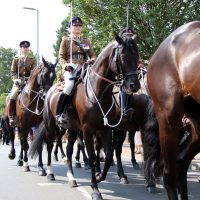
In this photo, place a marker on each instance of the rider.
(74, 51)
(20, 70)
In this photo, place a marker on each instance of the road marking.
(49, 184)
(84, 192)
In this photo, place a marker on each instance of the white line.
(49, 184)
(84, 192)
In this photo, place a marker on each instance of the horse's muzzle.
(133, 87)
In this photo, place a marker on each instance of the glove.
(90, 62)
(17, 82)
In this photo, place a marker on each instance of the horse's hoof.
(99, 178)
(124, 180)
(198, 179)
(78, 165)
(151, 189)
(55, 158)
(11, 156)
(73, 183)
(50, 177)
(42, 172)
(136, 167)
(20, 163)
(27, 169)
(96, 196)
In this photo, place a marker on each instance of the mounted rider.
(74, 52)
(20, 70)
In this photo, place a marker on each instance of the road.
(20, 185)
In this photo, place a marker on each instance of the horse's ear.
(44, 62)
(118, 38)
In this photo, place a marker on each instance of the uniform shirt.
(78, 55)
(23, 66)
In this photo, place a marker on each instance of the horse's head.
(126, 58)
(46, 75)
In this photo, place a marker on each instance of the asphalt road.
(20, 185)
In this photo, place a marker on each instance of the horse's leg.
(11, 131)
(106, 136)
(56, 152)
(118, 140)
(169, 126)
(85, 158)
(89, 142)
(98, 147)
(191, 148)
(25, 148)
(41, 170)
(77, 157)
(20, 160)
(132, 146)
(63, 156)
(50, 174)
(72, 135)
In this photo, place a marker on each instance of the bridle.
(39, 95)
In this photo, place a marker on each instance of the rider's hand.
(17, 82)
(90, 62)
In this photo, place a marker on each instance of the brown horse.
(93, 103)
(173, 81)
(29, 107)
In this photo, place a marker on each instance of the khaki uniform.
(78, 54)
(21, 67)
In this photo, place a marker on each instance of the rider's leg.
(64, 97)
(124, 103)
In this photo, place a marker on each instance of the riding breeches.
(69, 84)
(14, 92)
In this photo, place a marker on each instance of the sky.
(18, 24)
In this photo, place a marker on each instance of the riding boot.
(124, 104)
(11, 106)
(60, 110)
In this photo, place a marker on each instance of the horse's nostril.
(132, 85)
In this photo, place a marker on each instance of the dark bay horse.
(93, 104)
(4, 130)
(29, 107)
(173, 81)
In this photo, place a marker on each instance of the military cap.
(76, 21)
(25, 44)
(127, 31)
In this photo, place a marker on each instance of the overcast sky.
(18, 24)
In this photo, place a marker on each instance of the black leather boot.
(60, 110)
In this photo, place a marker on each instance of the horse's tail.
(151, 147)
(38, 142)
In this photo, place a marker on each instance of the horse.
(116, 64)
(140, 102)
(172, 77)
(29, 108)
(4, 131)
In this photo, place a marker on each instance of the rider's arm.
(62, 56)
(14, 69)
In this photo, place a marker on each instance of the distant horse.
(4, 131)
(29, 107)
(173, 81)
(93, 104)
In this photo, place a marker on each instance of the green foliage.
(2, 102)
(152, 20)
(6, 57)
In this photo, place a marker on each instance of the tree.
(153, 20)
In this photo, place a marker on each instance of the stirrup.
(60, 119)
